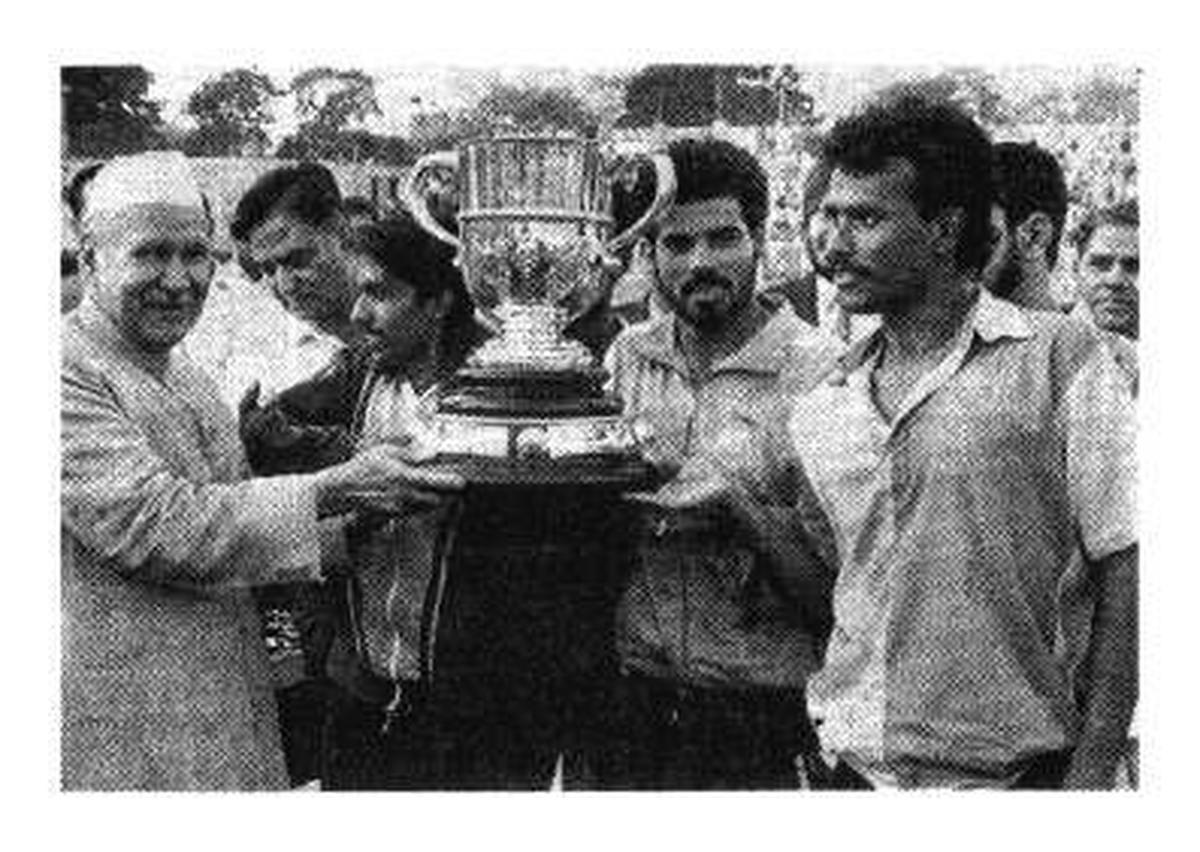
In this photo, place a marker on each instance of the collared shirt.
(957, 599)
(1123, 350)
(685, 614)
(244, 336)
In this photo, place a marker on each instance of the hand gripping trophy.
(534, 230)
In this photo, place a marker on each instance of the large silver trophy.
(534, 232)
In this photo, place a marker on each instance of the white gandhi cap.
(155, 177)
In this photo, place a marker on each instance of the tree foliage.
(1103, 99)
(231, 112)
(536, 108)
(106, 110)
(973, 89)
(328, 102)
(698, 95)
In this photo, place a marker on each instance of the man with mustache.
(1106, 273)
(1027, 223)
(963, 455)
(714, 642)
(164, 680)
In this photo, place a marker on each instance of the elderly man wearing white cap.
(164, 680)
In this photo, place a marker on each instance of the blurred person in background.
(1027, 223)
(71, 281)
(1107, 267)
(291, 232)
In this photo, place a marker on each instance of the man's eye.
(155, 253)
(866, 218)
(1100, 262)
(725, 238)
(297, 259)
(677, 244)
(1131, 265)
(194, 255)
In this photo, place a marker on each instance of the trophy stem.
(531, 338)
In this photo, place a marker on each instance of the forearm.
(1112, 673)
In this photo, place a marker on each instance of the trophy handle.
(416, 202)
(664, 194)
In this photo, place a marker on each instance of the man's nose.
(832, 239)
(359, 314)
(175, 276)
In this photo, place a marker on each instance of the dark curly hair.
(713, 168)
(1028, 179)
(405, 251)
(950, 152)
(1122, 214)
(307, 191)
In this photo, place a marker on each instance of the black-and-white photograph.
(655, 426)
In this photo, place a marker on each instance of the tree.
(698, 95)
(328, 101)
(231, 112)
(1103, 99)
(971, 88)
(531, 107)
(1045, 106)
(106, 110)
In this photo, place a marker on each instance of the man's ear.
(1034, 235)
(947, 226)
(86, 254)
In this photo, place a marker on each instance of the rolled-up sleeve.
(1102, 457)
(122, 500)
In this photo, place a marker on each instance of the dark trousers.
(1044, 772)
(521, 666)
(666, 737)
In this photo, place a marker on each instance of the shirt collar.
(768, 351)
(990, 319)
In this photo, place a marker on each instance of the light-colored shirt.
(957, 602)
(244, 336)
(683, 615)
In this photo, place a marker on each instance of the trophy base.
(511, 425)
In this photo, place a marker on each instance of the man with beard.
(164, 679)
(1027, 221)
(963, 456)
(714, 643)
(1106, 274)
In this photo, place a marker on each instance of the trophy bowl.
(534, 235)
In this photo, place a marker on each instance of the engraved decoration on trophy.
(534, 232)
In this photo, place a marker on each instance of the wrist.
(329, 487)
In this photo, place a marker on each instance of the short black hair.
(307, 190)
(951, 153)
(406, 251)
(73, 192)
(1122, 214)
(1029, 179)
(713, 168)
